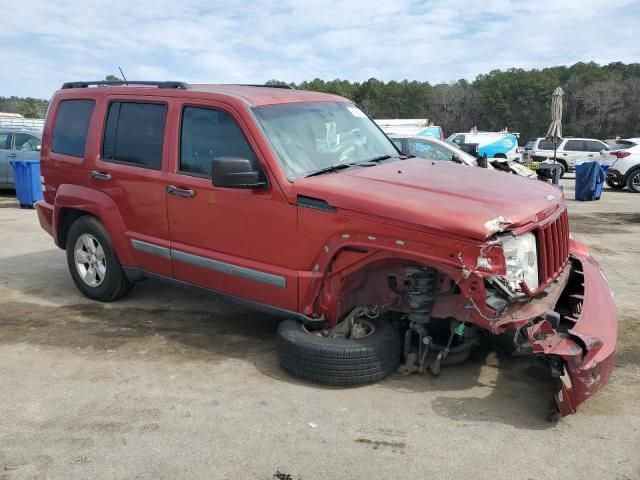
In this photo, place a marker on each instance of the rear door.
(4, 159)
(131, 169)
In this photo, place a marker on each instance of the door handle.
(12, 155)
(99, 175)
(180, 192)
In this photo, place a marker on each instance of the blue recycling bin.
(589, 181)
(27, 178)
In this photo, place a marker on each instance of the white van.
(494, 144)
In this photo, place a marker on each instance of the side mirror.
(233, 172)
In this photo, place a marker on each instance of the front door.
(129, 169)
(24, 147)
(239, 242)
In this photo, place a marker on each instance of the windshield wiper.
(332, 168)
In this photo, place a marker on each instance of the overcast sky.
(45, 42)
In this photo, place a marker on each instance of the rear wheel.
(93, 263)
(339, 361)
(633, 182)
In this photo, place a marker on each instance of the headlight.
(521, 257)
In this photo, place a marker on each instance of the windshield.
(309, 137)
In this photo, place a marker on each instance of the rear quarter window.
(71, 127)
(545, 144)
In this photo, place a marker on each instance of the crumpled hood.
(468, 201)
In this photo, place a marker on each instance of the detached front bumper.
(573, 325)
(579, 335)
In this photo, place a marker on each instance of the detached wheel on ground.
(614, 184)
(339, 361)
(93, 263)
(633, 182)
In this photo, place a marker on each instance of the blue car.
(17, 144)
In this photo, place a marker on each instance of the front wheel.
(633, 182)
(615, 184)
(93, 263)
(339, 361)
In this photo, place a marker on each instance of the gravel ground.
(173, 383)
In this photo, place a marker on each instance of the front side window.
(530, 144)
(24, 141)
(574, 146)
(71, 127)
(134, 134)
(207, 133)
(459, 139)
(595, 146)
(424, 149)
(309, 137)
(3, 141)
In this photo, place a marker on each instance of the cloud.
(230, 41)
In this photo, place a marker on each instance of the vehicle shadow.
(159, 320)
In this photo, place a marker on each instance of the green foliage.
(600, 101)
(28, 107)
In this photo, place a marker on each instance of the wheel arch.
(74, 201)
(339, 261)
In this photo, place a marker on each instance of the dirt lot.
(173, 383)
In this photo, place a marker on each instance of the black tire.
(115, 283)
(633, 181)
(614, 184)
(338, 361)
(564, 168)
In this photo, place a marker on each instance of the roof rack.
(169, 84)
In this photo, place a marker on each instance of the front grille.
(553, 248)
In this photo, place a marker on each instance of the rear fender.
(101, 206)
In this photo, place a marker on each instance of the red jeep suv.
(296, 203)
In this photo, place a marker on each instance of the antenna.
(122, 73)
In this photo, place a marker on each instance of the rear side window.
(545, 144)
(134, 133)
(71, 126)
(207, 134)
(574, 146)
(3, 141)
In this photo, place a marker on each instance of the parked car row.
(568, 151)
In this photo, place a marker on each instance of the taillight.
(620, 154)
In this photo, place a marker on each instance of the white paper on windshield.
(356, 112)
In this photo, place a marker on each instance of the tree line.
(600, 101)
(28, 107)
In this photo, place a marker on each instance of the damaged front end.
(573, 325)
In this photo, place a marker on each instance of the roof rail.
(285, 86)
(165, 84)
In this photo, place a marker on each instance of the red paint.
(388, 217)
